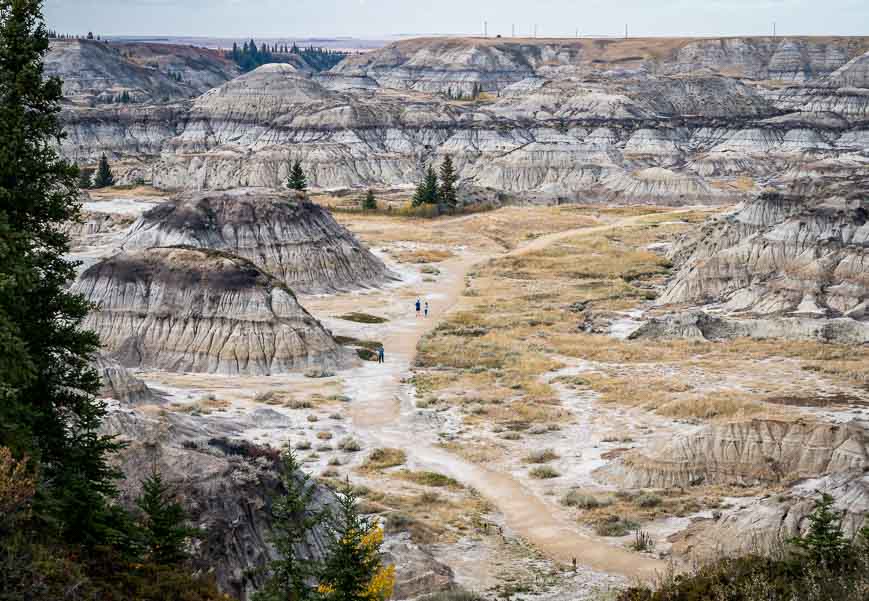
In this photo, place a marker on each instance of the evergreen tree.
(292, 574)
(353, 569)
(297, 179)
(163, 527)
(369, 203)
(85, 179)
(427, 191)
(825, 542)
(47, 387)
(448, 195)
(104, 177)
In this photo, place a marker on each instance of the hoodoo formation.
(191, 310)
(296, 241)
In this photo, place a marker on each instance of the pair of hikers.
(419, 307)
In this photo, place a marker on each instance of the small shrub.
(323, 448)
(313, 418)
(349, 444)
(614, 526)
(648, 500)
(295, 404)
(380, 459)
(543, 472)
(303, 445)
(576, 499)
(432, 479)
(324, 435)
(511, 436)
(541, 456)
(334, 461)
(329, 473)
(643, 541)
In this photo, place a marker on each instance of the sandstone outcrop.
(756, 451)
(767, 524)
(672, 121)
(704, 326)
(803, 255)
(191, 310)
(284, 235)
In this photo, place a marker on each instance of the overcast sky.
(374, 18)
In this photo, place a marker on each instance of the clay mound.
(296, 241)
(781, 255)
(757, 451)
(188, 310)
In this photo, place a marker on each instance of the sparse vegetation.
(614, 526)
(643, 542)
(822, 564)
(541, 456)
(349, 444)
(380, 459)
(575, 498)
(362, 318)
(543, 472)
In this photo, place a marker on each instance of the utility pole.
(535, 30)
(773, 30)
(485, 29)
(513, 31)
(626, 31)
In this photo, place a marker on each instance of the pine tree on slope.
(47, 387)
(297, 179)
(104, 177)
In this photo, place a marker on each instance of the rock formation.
(185, 309)
(119, 384)
(669, 121)
(795, 263)
(296, 241)
(97, 72)
(226, 485)
(756, 451)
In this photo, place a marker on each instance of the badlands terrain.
(647, 337)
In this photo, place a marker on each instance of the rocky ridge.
(666, 121)
(750, 452)
(295, 240)
(783, 265)
(191, 310)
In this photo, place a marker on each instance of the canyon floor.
(483, 440)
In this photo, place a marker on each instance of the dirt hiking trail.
(383, 411)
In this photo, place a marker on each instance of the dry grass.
(430, 479)
(424, 256)
(381, 459)
(442, 516)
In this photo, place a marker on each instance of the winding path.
(384, 413)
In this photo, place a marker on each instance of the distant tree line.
(249, 55)
(54, 35)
